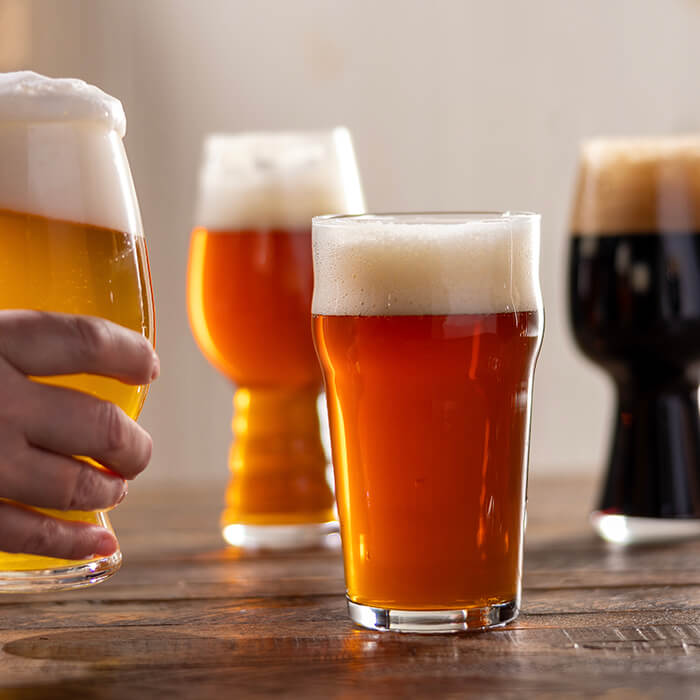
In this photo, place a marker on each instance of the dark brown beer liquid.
(635, 310)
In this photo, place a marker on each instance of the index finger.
(45, 343)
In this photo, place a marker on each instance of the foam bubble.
(638, 186)
(423, 264)
(276, 179)
(61, 153)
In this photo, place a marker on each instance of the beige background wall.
(453, 104)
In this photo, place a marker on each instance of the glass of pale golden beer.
(634, 306)
(428, 327)
(250, 281)
(72, 241)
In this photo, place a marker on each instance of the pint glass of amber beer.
(71, 241)
(250, 281)
(428, 327)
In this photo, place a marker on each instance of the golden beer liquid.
(52, 265)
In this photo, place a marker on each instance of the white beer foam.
(378, 266)
(277, 179)
(61, 153)
(641, 185)
(26, 96)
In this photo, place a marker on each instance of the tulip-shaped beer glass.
(72, 242)
(634, 301)
(250, 283)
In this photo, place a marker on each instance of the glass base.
(283, 537)
(83, 573)
(627, 529)
(433, 621)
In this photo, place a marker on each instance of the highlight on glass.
(249, 288)
(428, 327)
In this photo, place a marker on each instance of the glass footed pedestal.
(651, 491)
(279, 497)
(626, 529)
(433, 621)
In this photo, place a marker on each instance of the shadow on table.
(136, 662)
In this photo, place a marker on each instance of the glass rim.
(445, 218)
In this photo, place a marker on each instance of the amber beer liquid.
(249, 303)
(53, 265)
(255, 285)
(434, 408)
(427, 328)
(249, 289)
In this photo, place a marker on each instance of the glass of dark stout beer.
(428, 327)
(634, 301)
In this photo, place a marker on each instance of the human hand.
(42, 426)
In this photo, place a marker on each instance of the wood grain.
(188, 618)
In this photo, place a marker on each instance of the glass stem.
(654, 468)
(277, 461)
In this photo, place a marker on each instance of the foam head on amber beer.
(61, 152)
(426, 265)
(640, 185)
(276, 180)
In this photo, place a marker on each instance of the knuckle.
(85, 489)
(18, 329)
(18, 404)
(15, 469)
(43, 537)
(13, 443)
(94, 335)
(116, 428)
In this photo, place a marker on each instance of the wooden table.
(186, 618)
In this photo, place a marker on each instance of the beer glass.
(634, 302)
(249, 288)
(72, 242)
(428, 327)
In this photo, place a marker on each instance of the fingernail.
(125, 490)
(106, 544)
(155, 373)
